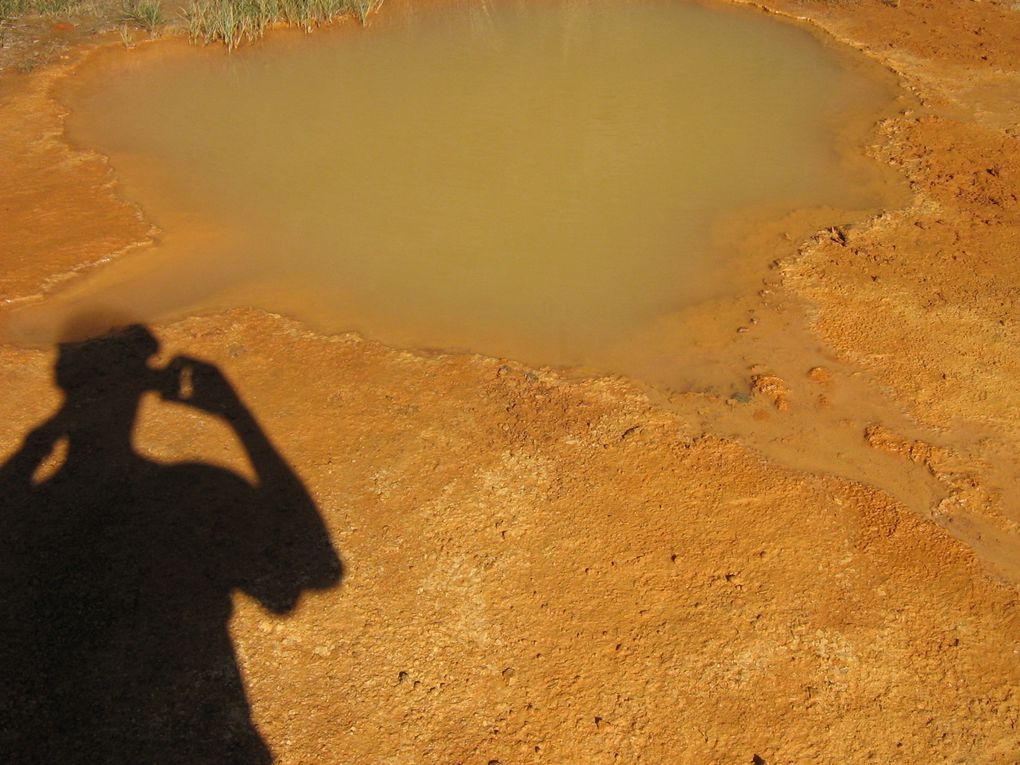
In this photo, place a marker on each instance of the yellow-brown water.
(546, 181)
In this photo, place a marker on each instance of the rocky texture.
(926, 298)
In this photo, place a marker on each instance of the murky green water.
(540, 180)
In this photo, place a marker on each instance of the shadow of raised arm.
(16, 474)
(300, 555)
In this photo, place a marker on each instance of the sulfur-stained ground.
(545, 569)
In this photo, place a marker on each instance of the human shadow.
(116, 572)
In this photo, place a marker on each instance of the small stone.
(774, 388)
(820, 375)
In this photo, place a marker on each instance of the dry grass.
(229, 21)
(234, 21)
(10, 9)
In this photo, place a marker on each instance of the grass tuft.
(142, 13)
(234, 21)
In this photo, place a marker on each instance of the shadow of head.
(120, 354)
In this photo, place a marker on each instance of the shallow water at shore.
(549, 182)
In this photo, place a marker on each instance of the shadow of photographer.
(116, 572)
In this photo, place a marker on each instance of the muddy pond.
(553, 182)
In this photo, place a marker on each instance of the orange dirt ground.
(542, 569)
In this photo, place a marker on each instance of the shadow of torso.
(119, 602)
